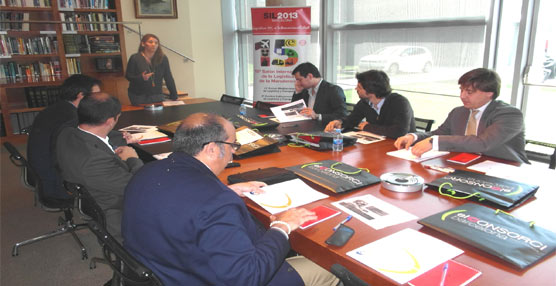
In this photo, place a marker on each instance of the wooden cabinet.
(42, 42)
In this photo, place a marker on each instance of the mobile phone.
(340, 236)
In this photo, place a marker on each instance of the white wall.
(197, 33)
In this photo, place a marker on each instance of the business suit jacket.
(41, 145)
(330, 101)
(395, 118)
(501, 132)
(190, 229)
(84, 159)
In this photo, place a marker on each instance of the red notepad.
(154, 141)
(464, 158)
(323, 213)
(457, 275)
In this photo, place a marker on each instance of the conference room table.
(310, 241)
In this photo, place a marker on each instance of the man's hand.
(334, 124)
(362, 125)
(294, 217)
(247, 187)
(421, 147)
(404, 142)
(146, 75)
(126, 152)
(130, 139)
(308, 112)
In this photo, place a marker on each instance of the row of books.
(19, 122)
(9, 21)
(26, 3)
(74, 66)
(27, 46)
(12, 72)
(83, 21)
(94, 4)
(79, 44)
(42, 96)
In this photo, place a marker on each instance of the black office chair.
(19, 161)
(49, 204)
(127, 269)
(264, 106)
(231, 99)
(422, 124)
(350, 107)
(538, 156)
(346, 276)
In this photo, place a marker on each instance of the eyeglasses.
(234, 145)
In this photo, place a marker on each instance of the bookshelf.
(42, 42)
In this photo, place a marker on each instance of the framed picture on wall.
(156, 9)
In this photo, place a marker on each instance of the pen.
(444, 272)
(342, 222)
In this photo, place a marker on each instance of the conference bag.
(496, 232)
(494, 191)
(319, 140)
(270, 176)
(335, 176)
(264, 145)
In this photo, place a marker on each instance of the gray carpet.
(55, 261)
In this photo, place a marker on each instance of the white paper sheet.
(246, 136)
(173, 102)
(404, 255)
(162, 155)
(290, 112)
(364, 137)
(374, 212)
(406, 154)
(282, 196)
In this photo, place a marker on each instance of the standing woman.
(145, 71)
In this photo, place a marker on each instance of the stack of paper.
(407, 155)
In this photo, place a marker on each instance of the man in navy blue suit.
(182, 222)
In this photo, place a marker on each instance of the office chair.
(346, 276)
(49, 204)
(422, 124)
(231, 99)
(538, 156)
(127, 269)
(19, 161)
(265, 106)
(350, 107)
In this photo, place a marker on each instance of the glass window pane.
(365, 11)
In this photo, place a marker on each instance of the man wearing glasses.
(182, 222)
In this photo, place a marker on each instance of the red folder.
(457, 274)
(323, 213)
(154, 141)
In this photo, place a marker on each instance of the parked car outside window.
(394, 59)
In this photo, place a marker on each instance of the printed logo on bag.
(506, 190)
(327, 171)
(484, 225)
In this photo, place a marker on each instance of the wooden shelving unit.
(45, 21)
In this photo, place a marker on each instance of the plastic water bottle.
(338, 141)
(243, 109)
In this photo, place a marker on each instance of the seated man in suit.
(386, 113)
(85, 156)
(46, 126)
(325, 101)
(482, 125)
(182, 222)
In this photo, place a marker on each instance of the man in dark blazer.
(482, 125)
(386, 113)
(84, 156)
(325, 101)
(41, 145)
(182, 222)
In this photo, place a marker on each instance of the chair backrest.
(422, 124)
(231, 99)
(87, 204)
(539, 155)
(124, 265)
(350, 107)
(265, 106)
